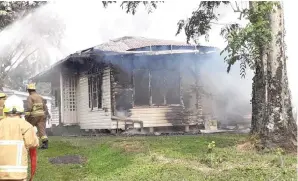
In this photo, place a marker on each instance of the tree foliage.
(131, 6)
(16, 58)
(199, 24)
(13, 10)
(244, 44)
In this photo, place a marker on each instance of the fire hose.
(33, 159)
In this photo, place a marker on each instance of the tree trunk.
(278, 128)
(258, 99)
(259, 87)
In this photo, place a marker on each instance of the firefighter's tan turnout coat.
(2, 100)
(16, 137)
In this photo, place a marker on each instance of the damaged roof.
(134, 44)
(127, 43)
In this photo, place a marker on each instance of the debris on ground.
(247, 146)
(68, 159)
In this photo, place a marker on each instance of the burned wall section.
(145, 81)
(219, 93)
(156, 80)
(121, 84)
(196, 98)
(93, 68)
(188, 80)
(214, 95)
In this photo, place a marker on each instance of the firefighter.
(35, 114)
(16, 136)
(2, 99)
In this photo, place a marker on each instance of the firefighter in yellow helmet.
(16, 137)
(2, 99)
(35, 114)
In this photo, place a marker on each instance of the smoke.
(79, 25)
(83, 25)
(33, 38)
(58, 29)
(231, 94)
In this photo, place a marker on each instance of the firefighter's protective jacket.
(35, 105)
(16, 136)
(1, 108)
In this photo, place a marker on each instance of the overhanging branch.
(6, 73)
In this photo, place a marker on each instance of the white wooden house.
(130, 78)
(24, 95)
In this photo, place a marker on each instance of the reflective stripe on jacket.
(35, 105)
(37, 110)
(16, 135)
(15, 164)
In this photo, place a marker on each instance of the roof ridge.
(126, 43)
(143, 38)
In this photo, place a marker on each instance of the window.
(141, 83)
(158, 90)
(161, 86)
(172, 87)
(95, 91)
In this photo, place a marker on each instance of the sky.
(88, 24)
(291, 34)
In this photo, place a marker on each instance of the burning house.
(131, 81)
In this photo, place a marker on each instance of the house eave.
(44, 75)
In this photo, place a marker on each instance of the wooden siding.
(159, 116)
(98, 118)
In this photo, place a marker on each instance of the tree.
(20, 57)
(10, 11)
(10, 62)
(131, 6)
(260, 46)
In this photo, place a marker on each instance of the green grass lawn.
(162, 159)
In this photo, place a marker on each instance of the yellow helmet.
(31, 86)
(13, 105)
(2, 95)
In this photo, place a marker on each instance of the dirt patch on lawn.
(130, 146)
(187, 163)
(247, 146)
(68, 159)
